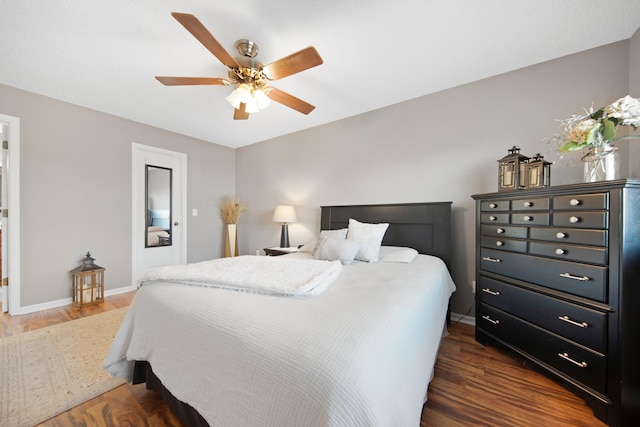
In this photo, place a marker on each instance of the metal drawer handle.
(490, 292)
(489, 319)
(500, 230)
(499, 243)
(575, 202)
(488, 258)
(561, 235)
(560, 251)
(492, 218)
(527, 218)
(565, 356)
(575, 219)
(493, 206)
(571, 276)
(527, 204)
(573, 322)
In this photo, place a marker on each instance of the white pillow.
(338, 234)
(309, 248)
(369, 236)
(331, 249)
(397, 254)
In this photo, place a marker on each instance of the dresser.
(558, 281)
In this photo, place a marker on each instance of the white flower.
(626, 110)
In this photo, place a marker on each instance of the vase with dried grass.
(230, 209)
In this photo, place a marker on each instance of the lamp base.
(284, 236)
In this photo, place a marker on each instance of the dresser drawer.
(581, 201)
(577, 323)
(584, 280)
(530, 204)
(580, 363)
(496, 205)
(502, 231)
(530, 218)
(581, 219)
(503, 244)
(495, 218)
(577, 253)
(570, 235)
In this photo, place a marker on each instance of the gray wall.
(76, 191)
(438, 147)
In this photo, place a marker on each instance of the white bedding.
(284, 276)
(360, 354)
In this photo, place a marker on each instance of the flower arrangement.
(598, 128)
(230, 208)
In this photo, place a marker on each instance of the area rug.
(50, 370)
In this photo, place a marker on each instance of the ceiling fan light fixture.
(254, 99)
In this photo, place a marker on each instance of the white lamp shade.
(284, 214)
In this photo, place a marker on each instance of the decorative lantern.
(88, 282)
(538, 172)
(511, 171)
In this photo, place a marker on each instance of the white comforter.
(361, 354)
(284, 276)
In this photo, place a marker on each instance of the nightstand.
(279, 251)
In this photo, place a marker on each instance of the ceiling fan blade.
(290, 101)
(241, 113)
(176, 81)
(292, 64)
(195, 27)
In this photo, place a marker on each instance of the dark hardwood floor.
(473, 386)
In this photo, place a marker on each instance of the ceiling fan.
(251, 78)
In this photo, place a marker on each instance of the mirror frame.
(147, 211)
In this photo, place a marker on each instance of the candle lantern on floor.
(538, 172)
(511, 173)
(88, 282)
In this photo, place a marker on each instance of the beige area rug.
(50, 370)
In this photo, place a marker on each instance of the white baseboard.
(67, 301)
(461, 318)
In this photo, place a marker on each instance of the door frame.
(13, 207)
(138, 155)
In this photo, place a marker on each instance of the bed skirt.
(188, 416)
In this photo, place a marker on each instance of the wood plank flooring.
(473, 386)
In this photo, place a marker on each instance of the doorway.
(159, 186)
(10, 214)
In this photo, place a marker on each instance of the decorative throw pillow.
(332, 248)
(370, 238)
(397, 254)
(338, 234)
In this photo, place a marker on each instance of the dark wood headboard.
(426, 227)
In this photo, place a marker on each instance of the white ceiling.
(103, 54)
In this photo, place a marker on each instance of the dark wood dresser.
(558, 281)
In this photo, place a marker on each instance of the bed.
(360, 353)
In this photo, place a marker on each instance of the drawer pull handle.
(499, 243)
(489, 319)
(500, 230)
(528, 204)
(492, 218)
(490, 292)
(488, 258)
(573, 322)
(571, 276)
(527, 218)
(493, 206)
(561, 235)
(575, 219)
(560, 251)
(565, 356)
(575, 202)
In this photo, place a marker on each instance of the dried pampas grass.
(230, 208)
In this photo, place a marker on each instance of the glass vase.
(601, 163)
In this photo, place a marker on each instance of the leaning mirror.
(158, 206)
